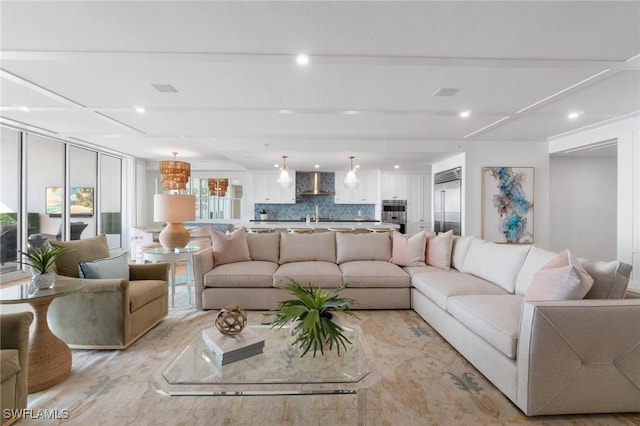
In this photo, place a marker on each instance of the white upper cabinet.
(266, 189)
(365, 193)
(395, 186)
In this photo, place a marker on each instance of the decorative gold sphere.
(231, 320)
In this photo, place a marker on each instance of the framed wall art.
(507, 204)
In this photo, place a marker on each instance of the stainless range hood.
(315, 187)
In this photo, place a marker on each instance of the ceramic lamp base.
(174, 236)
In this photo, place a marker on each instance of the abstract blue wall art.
(507, 205)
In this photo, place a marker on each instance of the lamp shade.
(174, 207)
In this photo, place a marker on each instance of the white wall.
(583, 206)
(627, 134)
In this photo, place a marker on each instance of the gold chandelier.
(175, 174)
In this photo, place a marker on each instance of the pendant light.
(175, 174)
(351, 181)
(285, 180)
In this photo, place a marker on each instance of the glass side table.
(49, 357)
(161, 254)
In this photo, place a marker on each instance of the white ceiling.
(521, 67)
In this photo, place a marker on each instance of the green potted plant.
(263, 214)
(40, 260)
(311, 318)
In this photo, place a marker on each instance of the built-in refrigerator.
(447, 201)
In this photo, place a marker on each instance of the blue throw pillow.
(111, 267)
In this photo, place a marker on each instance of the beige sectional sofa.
(548, 357)
(325, 259)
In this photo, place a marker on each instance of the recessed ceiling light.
(276, 165)
(302, 59)
(397, 166)
(465, 114)
(24, 108)
(351, 112)
(357, 166)
(317, 166)
(140, 110)
(285, 111)
(446, 91)
(573, 115)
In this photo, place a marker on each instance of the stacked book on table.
(232, 348)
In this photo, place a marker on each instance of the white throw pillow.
(409, 251)
(562, 278)
(110, 267)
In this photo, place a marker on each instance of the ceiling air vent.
(446, 91)
(164, 88)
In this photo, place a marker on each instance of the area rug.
(424, 382)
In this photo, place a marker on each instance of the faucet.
(317, 217)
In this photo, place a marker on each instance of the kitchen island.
(323, 225)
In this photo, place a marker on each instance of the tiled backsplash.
(306, 204)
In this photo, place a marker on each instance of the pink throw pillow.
(408, 251)
(229, 248)
(561, 278)
(439, 250)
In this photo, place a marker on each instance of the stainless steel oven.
(395, 211)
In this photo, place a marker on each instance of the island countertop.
(338, 224)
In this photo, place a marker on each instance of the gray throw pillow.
(110, 267)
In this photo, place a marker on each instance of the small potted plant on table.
(40, 260)
(263, 214)
(311, 318)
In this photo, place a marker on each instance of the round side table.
(161, 254)
(49, 357)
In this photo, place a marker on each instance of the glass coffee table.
(279, 370)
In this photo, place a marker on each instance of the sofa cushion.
(111, 267)
(89, 249)
(143, 292)
(412, 270)
(307, 247)
(459, 249)
(536, 258)
(254, 273)
(9, 363)
(229, 248)
(365, 246)
(610, 279)
(264, 246)
(440, 286)
(317, 273)
(409, 251)
(374, 273)
(438, 252)
(561, 278)
(495, 318)
(498, 263)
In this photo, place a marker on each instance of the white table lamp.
(174, 209)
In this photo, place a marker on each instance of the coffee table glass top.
(20, 293)
(279, 369)
(162, 250)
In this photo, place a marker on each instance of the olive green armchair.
(14, 364)
(108, 313)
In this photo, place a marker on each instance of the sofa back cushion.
(264, 246)
(497, 263)
(86, 250)
(536, 258)
(459, 250)
(409, 251)
(306, 247)
(229, 248)
(369, 246)
(610, 279)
